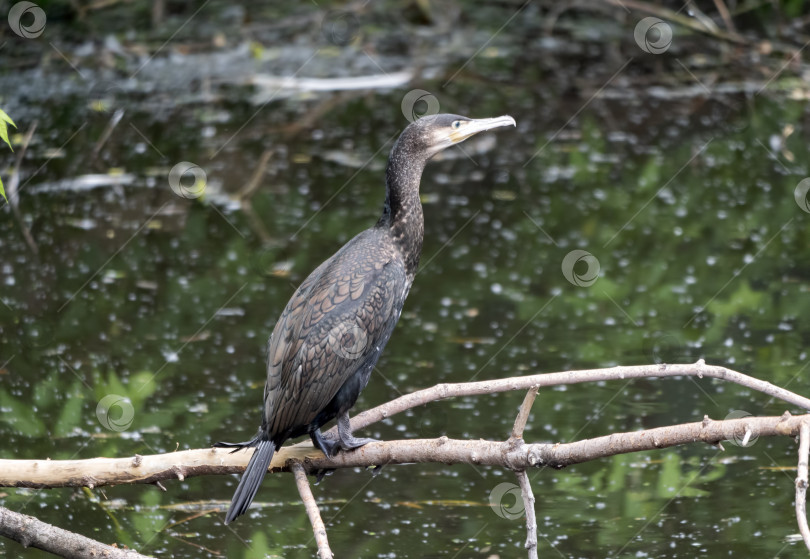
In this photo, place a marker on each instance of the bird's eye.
(456, 124)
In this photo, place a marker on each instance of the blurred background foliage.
(679, 172)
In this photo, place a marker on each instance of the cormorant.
(335, 326)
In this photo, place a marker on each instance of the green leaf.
(46, 390)
(143, 384)
(71, 414)
(2, 190)
(5, 120)
(618, 473)
(670, 482)
(20, 416)
(5, 117)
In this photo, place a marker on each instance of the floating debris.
(83, 183)
(271, 86)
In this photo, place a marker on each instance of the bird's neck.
(402, 213)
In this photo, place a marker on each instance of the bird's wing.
(330, 330)
(285, 340)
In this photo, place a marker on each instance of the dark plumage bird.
(333, 330)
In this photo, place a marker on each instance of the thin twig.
(14, 181)
(442, 391)
(13, 190)
(531, 519)
(701, 17)
(801, 482)
(523, 414)
(726, 15)
(314, 514)
(255, 180)
(105, 135)
(255, 221)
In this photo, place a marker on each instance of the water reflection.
(692, 206)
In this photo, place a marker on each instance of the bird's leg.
(347, 440)
(329, 447)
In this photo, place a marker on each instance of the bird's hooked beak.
(460, 130)
(469, 128)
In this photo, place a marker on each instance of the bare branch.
(31, 532)
(523, 414)
(95, 472)
(178, 465)
(699, 369)
(801, 482)
(190, 463)
(531, 519)
(318, 528)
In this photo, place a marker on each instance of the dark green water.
(687, 206)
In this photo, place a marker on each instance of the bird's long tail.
(251, 480)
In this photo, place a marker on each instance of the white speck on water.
(171, 356)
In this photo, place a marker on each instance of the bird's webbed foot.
(347, 440)
(330, 445)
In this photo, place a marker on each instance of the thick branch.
(512, 454)
(318, 528)
(95, 472)
(31, 532)
(178, 465)
(699, 369)
(189, 463)
(801, 482)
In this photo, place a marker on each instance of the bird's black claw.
(325, 443)
(331, 451)
(320, 474)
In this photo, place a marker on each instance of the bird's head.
(434, 133)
